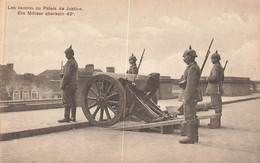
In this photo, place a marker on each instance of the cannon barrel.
(145, 83)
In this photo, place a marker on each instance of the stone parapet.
(255, 86)
(236, 86)
(165, 89)
(233, 86)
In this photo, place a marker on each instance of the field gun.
(108, 98)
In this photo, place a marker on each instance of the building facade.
(25, 87)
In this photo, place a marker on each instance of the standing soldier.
(191, 95)
(214, 88)
(133, 68)
(69, 84)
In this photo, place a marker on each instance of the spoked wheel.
(103, 100)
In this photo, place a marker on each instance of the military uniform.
(133, 69)
(191, 95)
(191, 90)
(214, 87)
(69, 85)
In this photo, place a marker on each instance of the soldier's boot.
(196, 128)
(66, 115)
(191, 133)
(219, 121)
(73, 113)
(219, 111)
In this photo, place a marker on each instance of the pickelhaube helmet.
(190, 51)
(69, 50)
(216, 55)
(132, 57)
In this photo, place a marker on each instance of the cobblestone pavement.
(238, 140)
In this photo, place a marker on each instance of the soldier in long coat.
(191, 95)
(214, 87)
(69, 85)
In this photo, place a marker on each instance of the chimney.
(10, 66)
(29, 77)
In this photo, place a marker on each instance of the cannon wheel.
(103, 100)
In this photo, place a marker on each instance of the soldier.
(214, 88)
(191, 95)
(133, 68)
(68, 85)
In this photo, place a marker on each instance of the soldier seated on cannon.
(133, 68)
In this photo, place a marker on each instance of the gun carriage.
(107, 98)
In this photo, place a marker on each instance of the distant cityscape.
(46, 85)
(29, 86)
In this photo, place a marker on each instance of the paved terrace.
(237, 140)
(29, 123)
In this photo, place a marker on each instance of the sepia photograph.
(129, 81)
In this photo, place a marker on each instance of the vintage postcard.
(123, 63)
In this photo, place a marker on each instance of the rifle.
(207, 55)
(225, 66)
(61, 69)
(140, 61)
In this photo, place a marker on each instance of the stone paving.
(29, 120)
(237, 140)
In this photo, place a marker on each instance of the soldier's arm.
(222, 74)
(214, 75)
(134, 70)
(129, 71)
(192, 80)
(67, 74)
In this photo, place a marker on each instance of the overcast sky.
(102, 35)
